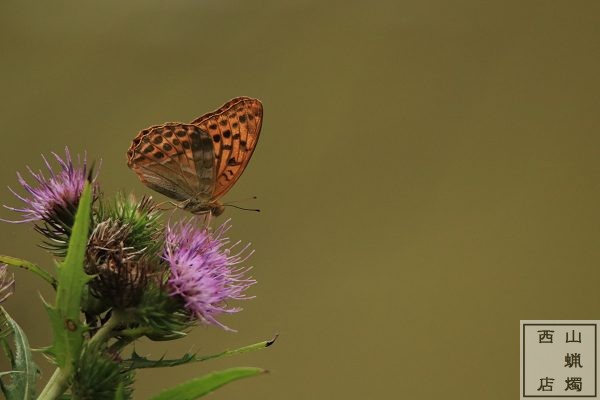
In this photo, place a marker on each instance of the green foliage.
(138, 362)
(24, 372)
(199, 387)
(17, 262)
(124, 296)
(65, 314)
(100, 377)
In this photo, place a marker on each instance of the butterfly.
(197, 163)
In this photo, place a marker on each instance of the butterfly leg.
(181, 205)
(204, 217)
(159, 205)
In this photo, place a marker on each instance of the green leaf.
(65, 314)
(198, 387)
(138, 362)
(24, 372)
(17, 262)
(245, 349)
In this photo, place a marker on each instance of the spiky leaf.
(65, 314)
(138, 362)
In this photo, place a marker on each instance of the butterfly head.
(216, 209)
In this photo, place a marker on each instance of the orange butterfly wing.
(234, 129)
(176, 160)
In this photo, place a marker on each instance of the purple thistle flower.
(204, 272)
(54, 195)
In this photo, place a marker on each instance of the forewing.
(176, 160)
(234, 129)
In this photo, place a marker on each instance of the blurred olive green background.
(428, 174)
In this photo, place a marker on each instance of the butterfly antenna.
(231, 204)
(242, 208)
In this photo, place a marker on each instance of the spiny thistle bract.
(99, 376)
(145, 277)
(123, 250)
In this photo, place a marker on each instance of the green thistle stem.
(117, 317)
(59, 381)
(56, 386)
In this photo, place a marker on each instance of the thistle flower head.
(100, 376)
(141, 219)
(57, 194)
(205, 271)
(52, 201)
(124, 250)
(121, 272)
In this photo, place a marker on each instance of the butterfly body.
(197, 163)
(216, 208)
